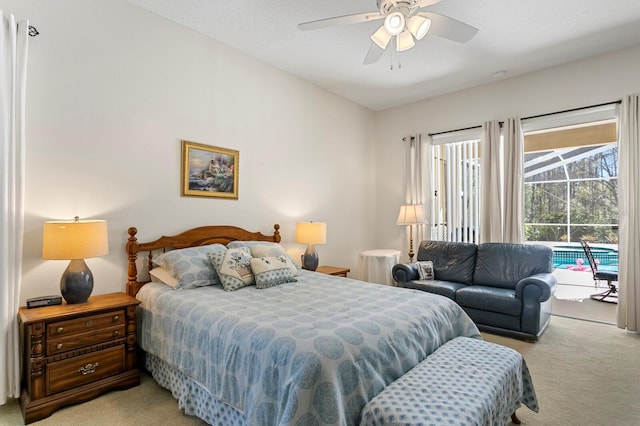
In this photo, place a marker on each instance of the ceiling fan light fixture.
(381, 37)
(395, 23)
(419, 26)
(404, 41)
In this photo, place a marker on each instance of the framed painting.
(209, 171)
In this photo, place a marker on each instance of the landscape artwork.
(209, 171)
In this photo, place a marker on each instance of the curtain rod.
(456, 130)
(572, 110)
(531, 117)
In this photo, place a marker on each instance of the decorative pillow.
(425, 270)
(233, 267)
(270, 271)
(190, 266)
(264, 249)
(161, 275)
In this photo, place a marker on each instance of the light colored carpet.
(584, 373)
(147, 404)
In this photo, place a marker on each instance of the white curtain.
(417, 177)
(13, 74)
(628, 315)
(491, 183)
(513, 214)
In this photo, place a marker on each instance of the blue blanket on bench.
(466, 381)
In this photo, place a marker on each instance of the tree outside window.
(571, 194)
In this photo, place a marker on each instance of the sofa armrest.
(405, 272)
(541, 285)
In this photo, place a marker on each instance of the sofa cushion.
(504, 264)
(443, 288)
(489, 299)
(451, 261)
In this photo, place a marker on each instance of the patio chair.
(611, 294)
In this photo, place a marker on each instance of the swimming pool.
(565, 256)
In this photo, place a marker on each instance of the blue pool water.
(565, 256)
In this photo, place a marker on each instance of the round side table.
(375, 266)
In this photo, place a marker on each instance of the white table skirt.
(375, 266)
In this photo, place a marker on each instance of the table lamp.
(75, 240)
(410, 215)
(311, 233)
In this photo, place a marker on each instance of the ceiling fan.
(404, 20)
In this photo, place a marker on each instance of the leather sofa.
(505, 288)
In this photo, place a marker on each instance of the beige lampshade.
(410, 215)
(381, 37)
(74, 239)
(419, 26)
(395, 23)
(404, 41)
(311, 233)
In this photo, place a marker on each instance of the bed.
(311, 349)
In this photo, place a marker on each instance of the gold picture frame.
(209, 171)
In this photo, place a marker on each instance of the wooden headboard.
(201, 236)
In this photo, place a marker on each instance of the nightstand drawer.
(80, 340)
(80, 325)
(73, 372)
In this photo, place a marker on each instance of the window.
(570, 179)
(571, 184)
(455, 209)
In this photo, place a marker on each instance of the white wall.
(112, 89)
(588, 82)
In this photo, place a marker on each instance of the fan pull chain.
(395, 56)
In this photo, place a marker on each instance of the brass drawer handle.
(60, 330)
(59, 346)
(116, 333)
(88, 369)
(116, 318)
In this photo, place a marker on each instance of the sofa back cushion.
(451, 261)
(504, 264)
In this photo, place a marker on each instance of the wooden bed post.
(276, 233)
(132, 251)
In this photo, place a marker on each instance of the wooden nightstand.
(333, 270)
(73, 353)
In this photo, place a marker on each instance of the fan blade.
(340, 20)
(373, 55)
(426, 3)
(449, 28)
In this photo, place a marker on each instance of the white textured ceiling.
(516, 36)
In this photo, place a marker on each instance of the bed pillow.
(265, 249)
(273, 250)
(190, 266)
(425, 270)
(161, 275)
(270, 271)
(233, 267)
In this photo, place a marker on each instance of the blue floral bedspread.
(312, 352)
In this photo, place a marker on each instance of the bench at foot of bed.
(466, 381)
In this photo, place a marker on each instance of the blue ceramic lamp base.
(310, 258)
(76, 283)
